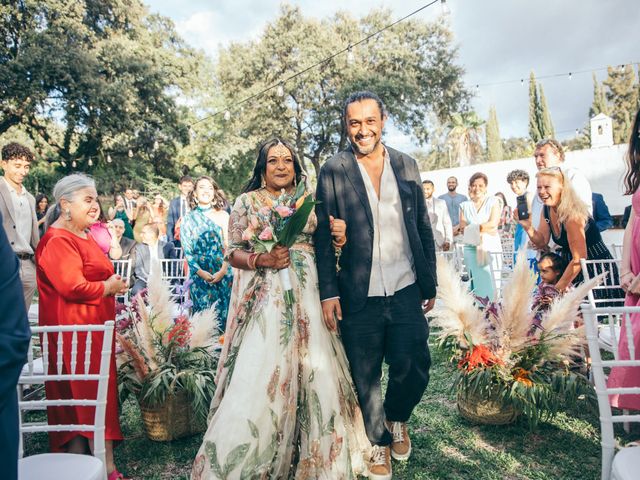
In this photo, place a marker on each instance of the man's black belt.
(25, 256)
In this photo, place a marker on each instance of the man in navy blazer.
(387, 270)
(14, 344)
(178, 207)
(601, 215)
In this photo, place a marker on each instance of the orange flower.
(221, 339)
(478, 356)
(521, 375)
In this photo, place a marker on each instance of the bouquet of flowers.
(496, 353)
(165, 350)
(280, 224)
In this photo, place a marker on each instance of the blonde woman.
(142, 215)
(159, 213)
(565, 218)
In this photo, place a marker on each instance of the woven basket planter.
(172, 420)
(485, 410)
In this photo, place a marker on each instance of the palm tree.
(465, 134)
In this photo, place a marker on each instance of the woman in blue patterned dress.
(203, 237)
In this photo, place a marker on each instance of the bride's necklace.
(204, 209)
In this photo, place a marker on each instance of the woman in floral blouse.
(285, 406)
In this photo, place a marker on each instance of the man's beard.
(366, 151)
(452, 188)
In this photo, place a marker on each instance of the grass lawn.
(445, 446)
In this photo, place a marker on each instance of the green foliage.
(622, 95)
(494, 142)
(411, 66)
(97, 79)
(464, 136)
(599, 104)
(517, 148)
(540, 124)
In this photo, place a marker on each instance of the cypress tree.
(494, 142)
(534, 107)
(599, 104)
(545, 125)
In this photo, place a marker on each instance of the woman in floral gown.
(284, 406)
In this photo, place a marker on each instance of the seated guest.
(124, 251)
(147, 254)
(601, 215)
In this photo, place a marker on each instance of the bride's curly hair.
(571, 206)
(632, 177)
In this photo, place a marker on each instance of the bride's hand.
(278, 258)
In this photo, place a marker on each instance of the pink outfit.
(629, 376)
(101, 235)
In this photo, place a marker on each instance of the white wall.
(603, 167)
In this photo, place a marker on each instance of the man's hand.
(330, 311)
(446, 246)
(427, 305)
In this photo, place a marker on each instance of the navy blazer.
(601, 215)
(14, 345)
(172, 218)
(342, 193)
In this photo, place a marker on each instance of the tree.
(599, 104)
(494, 143)
(517, 148)
(534, 108)
(622, 94)
(540, 124)
(465, 133)
(96, 82)
(411, 66)
(544, 117)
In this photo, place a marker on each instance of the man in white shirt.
(439, 218)
(18, 208)
(549, 153)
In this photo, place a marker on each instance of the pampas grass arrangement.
(167, 352)
(499, 356)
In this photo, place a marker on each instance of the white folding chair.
(67, 465)
(616, 250)
(610, 327)
(174, 271)
(124, 269)
(500, 273)
(625, 464)
(179, 252)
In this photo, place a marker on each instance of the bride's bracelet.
(251, 261)
(341, 244)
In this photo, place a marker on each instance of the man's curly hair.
(15, 151)
(518, 175)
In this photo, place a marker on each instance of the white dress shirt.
(440, 221)
(392, 262)
(23, 218)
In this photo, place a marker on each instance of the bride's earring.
(263, 182)
(67, 214)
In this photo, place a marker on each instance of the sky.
(498, 41)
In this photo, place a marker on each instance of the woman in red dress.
(76, 284)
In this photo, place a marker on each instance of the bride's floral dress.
(284, 406)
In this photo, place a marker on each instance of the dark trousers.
(395, 330)
(9, 435)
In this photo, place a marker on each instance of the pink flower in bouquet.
(248, 234)
(284, 211)
(266, 234)
(264, 211)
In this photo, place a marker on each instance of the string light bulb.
(445, 8)
(402, 97)
(90, 163)
(130, 153)
(109, 159)
(280, 90)
(73, 164)
(522, 81)
(351, 58)
(156, 145)
(227, 115)
(63, 163)
(570, 76)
